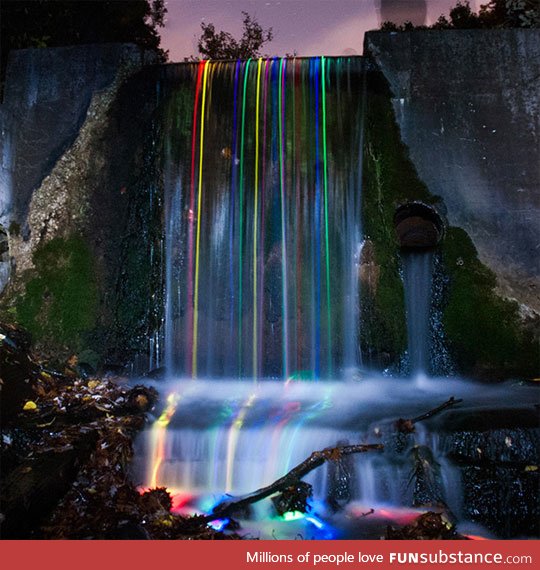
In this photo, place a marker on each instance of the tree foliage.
(42, 23)
(222, 45)
(494, 14)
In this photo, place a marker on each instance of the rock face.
(468, 106)
(48, 92)
(74, 194)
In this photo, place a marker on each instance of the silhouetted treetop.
(494, 14)
(222, 45)
(42, 23)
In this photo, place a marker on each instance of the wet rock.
(429, 526)
(294, 498)
(370, 271)
(157, 373)
(502, 498)
(495, 446)
(428, 489)
(18, 372)
(85, 370)
(341, 478)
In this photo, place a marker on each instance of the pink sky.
(309, 27)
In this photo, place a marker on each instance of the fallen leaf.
(30, 406)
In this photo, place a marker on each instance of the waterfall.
(417, 278)
(262, 217)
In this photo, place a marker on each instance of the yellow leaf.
(30, 406)
(93, 384)
(530, 468)
(46, 376)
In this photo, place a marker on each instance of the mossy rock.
(60, 302)
(484, 332)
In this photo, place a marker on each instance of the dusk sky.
(309, 27)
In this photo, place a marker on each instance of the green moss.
(483, 329)
(14, 229)
(59, 304)
(389, 179)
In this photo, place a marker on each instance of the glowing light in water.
(317, 214)
(232, 442)
(191, 218)
(241, 215)
(234, 167)
(315, 521)
(326, 237)
(261, 220)
(284, 286)
(199, 223)
(219, 524)
(293, 516)
(159, 436)
(255, 218)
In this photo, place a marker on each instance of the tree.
(494, 14)
(222, 45)
(42, 23)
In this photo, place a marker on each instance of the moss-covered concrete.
(389, 179)
(59, 304)
(484, 332)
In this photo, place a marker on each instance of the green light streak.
(255, 214)
(326, 238)
(241, 210)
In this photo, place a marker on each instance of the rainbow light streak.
(326, 239)
(289, 411)
(311, 413)
(255, 219)
(232, 442)
(297, 153)
(198, 239)
(317, 371)
(284, 283)
(263, 179)
(241, 214)
(219, 524)
(232, 198)
(191, 217)
(315, 521)
(159, 433)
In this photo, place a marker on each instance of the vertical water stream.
(417, 280)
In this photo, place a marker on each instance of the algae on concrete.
(59, 304)
(485, 335)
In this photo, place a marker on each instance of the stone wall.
(468, 106)
(75, 204)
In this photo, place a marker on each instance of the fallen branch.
(407, 425)
(316, 459)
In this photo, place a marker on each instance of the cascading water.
(263, 188)
(417, 281)
(262, 243)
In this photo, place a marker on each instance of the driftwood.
(316, 459)
(407, 425)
